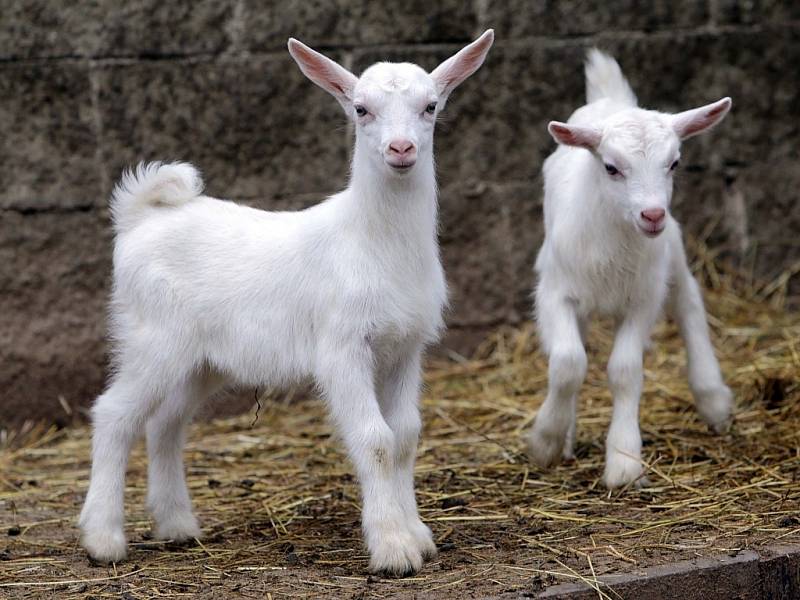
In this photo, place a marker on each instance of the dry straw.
(280, 508)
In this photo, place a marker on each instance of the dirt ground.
(280, 508)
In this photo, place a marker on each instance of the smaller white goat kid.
(347, 293)
(612, 248)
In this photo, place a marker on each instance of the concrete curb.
(770, 573)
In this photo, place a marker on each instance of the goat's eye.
(431, 108)
(674, 165)
(361, 111)
(612, 170)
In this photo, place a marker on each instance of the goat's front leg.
(346, 376)
(553, 433)
(399, 398)
(712, 397)
(624, 441)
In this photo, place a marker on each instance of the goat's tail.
(149, 185)
(604, 79)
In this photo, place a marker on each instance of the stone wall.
(89, 87)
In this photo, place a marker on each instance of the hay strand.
(280, 507)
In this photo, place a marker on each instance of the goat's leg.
(713, 398)
(118, 417)
(399, 399)
(346, 376)
(167, 494)
(624, 441)
(568, 451)
(553, 433)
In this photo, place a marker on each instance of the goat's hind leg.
(167, 495)
(713, 399)
(118, 417)
(568, 452)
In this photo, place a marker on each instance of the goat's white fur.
(600, 256)
(347, 293)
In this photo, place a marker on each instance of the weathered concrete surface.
(52, 330)
(48, 142)
(770, 574)
(86, 89)
(267, 25)
(108, 28)
(521, 18)
(254, 127)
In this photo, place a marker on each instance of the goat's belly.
(273, 355)
(608, 297)
(608, 307)
(615, 297)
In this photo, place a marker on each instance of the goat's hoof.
(178, 528)
(396, 555)
(721, 427)
(622, 470)
(544, 449)
(424, 537)
(568, 453)
(105, 546)
(715, 406)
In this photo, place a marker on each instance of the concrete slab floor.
(772, 573)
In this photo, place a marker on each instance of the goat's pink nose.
(654, 215)
(401, 147)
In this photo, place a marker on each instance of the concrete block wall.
(87, 88)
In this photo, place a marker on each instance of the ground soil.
(280, 508)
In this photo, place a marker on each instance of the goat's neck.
(394, 208)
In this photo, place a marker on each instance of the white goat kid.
(347, 293)
(611, 247)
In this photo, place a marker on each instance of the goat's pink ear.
(326, 73)
(461, 65)
(697, 120)
(575, 135)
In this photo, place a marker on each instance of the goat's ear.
(575, 135)
(326, 73)
(697, 120)
(461, 65)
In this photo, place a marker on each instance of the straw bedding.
(280, 508)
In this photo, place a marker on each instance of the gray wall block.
(87, 89)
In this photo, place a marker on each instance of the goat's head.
(393, 105)
(637, 152)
